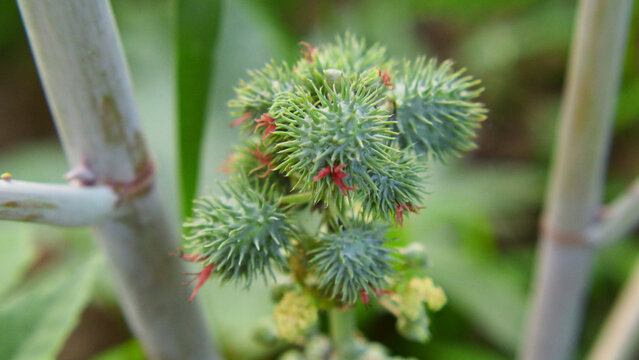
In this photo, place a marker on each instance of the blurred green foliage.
(196, 26)
(481, 219)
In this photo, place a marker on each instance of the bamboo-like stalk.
(620, 334)
(82, 67)
(61, 205)
(576, 183)
(619, 218)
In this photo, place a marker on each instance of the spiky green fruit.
(242, 233)
(398, 189)
(254, 160)
(347, 53)
(256, 95)
(341, 126)
(352, 262)
(436, 109)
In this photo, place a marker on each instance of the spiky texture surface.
(352, 262)
(436, 111)
(345, 125)
(338, 145)
(256, 95)
(398, 185)
(255, 161)
(348, 53)
(242, 234)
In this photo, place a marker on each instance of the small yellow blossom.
(6, 176)
(427, 291)
(294, 315)
(410, 305)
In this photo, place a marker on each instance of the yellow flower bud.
(427, 291)
(294, 315)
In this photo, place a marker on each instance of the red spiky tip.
(309, 52)
(338, 177)
(269, 122)
(194, 258)
(265, 161)
(201, 277)
(399, 212)
(386, 77)
(241, 119)
(226, 166)
(363, 294)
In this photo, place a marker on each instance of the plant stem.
(574, 199)
(62, 205)
(299, 198)
(620, 332)
(83, 70)
(342, 327)
(619, 218)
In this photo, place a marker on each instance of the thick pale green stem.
(86, 81)
(576, 182)
(342, 327)
(61, 205)
(619, 218)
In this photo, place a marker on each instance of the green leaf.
(480, 290)
(485, 288)
(462, 351)
(196, 29)
(16, 253)
(35, 323)
(129, 350)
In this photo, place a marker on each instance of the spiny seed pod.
(398, 189)
(241, 234)
(435, 109)
(352, 263)
(254, 160)
(329, 143)
(348, 53)
(255, 96)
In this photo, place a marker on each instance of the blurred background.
(480, 225)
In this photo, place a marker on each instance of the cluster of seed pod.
(334, 151)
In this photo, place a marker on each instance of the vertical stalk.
(620, 334)
(576, 183)
(82, 67)
(342, 328)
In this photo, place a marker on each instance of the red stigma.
(413, 209)
(323, 173)
(267, 121)
(265, 161)
(309, 52)
(226, 166)
(386, 78)
(241, 120)
(381, 292)
(399, 212)
(194, 258)
(364, 295)
(338, 177)
(201, 277)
